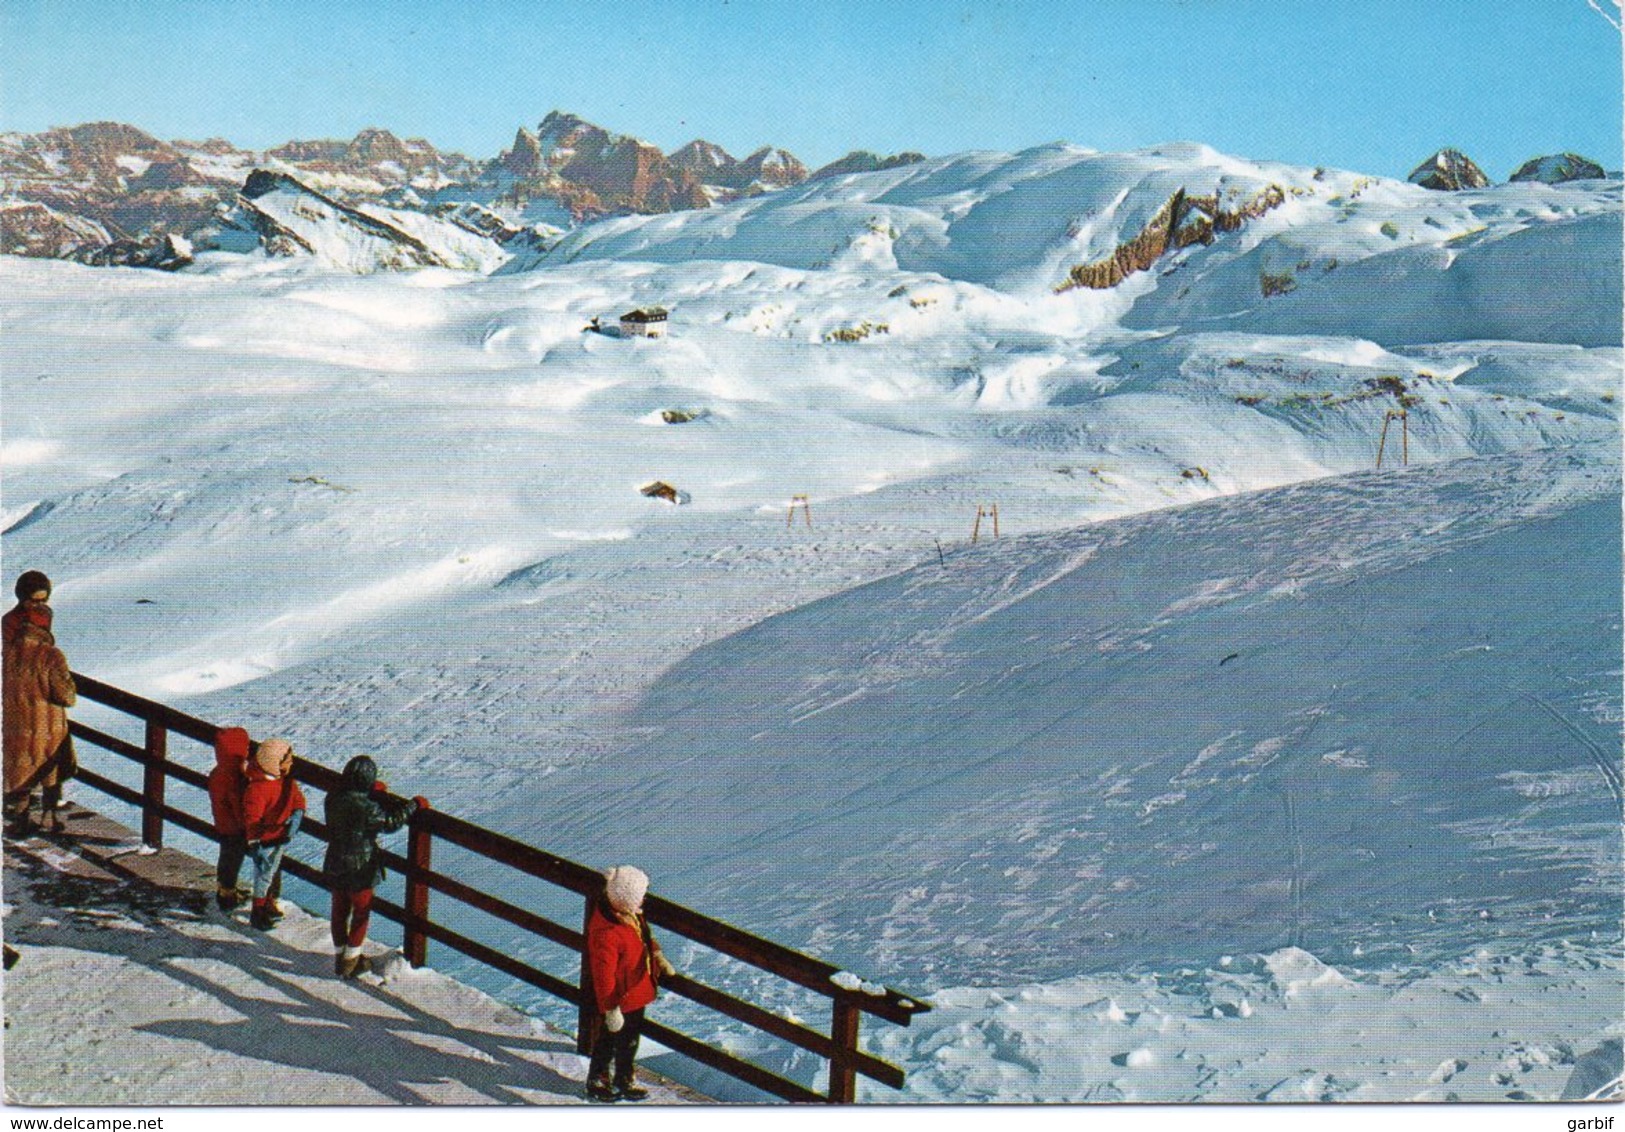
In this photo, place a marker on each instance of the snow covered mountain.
(1229, 742)
(67, 193)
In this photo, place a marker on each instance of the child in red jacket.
(273, 808)
(625, 963)
(226, 782)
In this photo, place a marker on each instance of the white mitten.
(665, 965)
(614, 1020)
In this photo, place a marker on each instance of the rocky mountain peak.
(771, 166)
(1555, 169)
(863, 161)
(373, 145)
(702, 158)
(524, 158)
(1449, 170)
(115, 138)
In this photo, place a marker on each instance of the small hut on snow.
(645, 322)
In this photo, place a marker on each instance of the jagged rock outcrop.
(1557, 168)
(1449, 170)
(524, 160)
(623, 173)
(862, 161)
(169, 253)
(34, 229)
(1184, 220)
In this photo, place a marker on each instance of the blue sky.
(1372, 85)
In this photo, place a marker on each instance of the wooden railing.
(839, 1047)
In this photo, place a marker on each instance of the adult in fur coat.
(626, 964)
(38, 690)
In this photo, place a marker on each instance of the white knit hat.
(269, 756)
(625, 886)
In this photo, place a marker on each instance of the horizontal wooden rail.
(102, 739)
(782, 1028)
(142, 708)
(839, 1048)
(727, 1063)
(108, 786)
(792, 966)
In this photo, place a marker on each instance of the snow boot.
(630, 1091)
(227, 899)
(601, 1091)
(19, 821)
(261, 917)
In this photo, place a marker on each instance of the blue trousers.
(268, 857)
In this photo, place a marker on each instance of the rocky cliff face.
(1448, 171)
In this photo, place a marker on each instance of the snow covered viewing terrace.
(488, 862)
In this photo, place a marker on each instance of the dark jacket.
(356, 814)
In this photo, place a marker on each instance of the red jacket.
(226, 781)
(268, 803)
(623, 970)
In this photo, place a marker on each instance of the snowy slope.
(1329, 716)
(1344, 243)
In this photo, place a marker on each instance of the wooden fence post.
(588, 1022)
(1405, 437)
(1383, 440)
(152, 785)
(415, 943)
(843, 1031)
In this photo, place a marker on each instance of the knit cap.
(625, 886)
(270, 755)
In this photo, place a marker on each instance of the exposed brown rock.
(1184, 220)
(1449, 170)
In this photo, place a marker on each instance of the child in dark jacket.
(273, 809)
(357, 812)
(226, 782)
